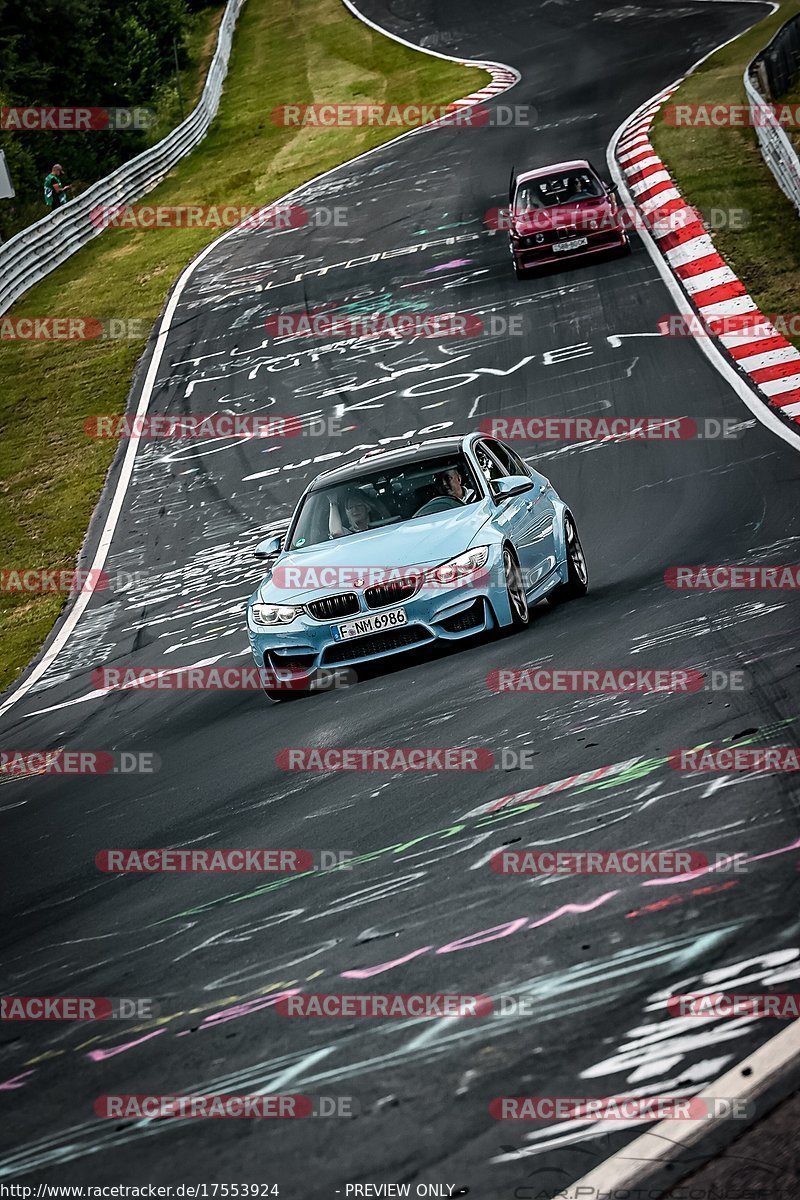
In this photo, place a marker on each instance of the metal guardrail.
(40, 248)
(768, 76)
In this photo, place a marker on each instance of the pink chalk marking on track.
(100, 1055)
(17, 1081)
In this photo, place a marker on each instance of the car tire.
(521, 272)
(626, 248)
(577, 584)
(515, 590)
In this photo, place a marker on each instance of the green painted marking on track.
(274, 884)
(639, 770)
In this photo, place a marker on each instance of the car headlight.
(456, 569)
(275, 614)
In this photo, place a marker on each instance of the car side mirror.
(269, 548)
(512, 485)
(612, 189)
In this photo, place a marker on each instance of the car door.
(528, 520)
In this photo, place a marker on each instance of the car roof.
(574, 164)
(418, 451)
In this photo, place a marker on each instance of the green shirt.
(51, 196)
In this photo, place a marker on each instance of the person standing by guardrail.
(55, 192)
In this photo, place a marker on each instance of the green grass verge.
(722, 168)
(51, 474)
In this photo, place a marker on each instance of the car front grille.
(547, 236)
(390, 593)
(330, 607)
(376, 643)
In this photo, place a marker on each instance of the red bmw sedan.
(563, 211)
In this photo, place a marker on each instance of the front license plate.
(575, 244)
(372, 624)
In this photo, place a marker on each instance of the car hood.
(424, 542)
(542, 219)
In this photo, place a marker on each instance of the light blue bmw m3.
(437, 541)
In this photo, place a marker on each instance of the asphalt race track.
(425, 913)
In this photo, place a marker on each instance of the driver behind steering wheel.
(452, 484)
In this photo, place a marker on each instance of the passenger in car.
(358, 514)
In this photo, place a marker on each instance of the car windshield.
(547, 191)
(385, 496)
